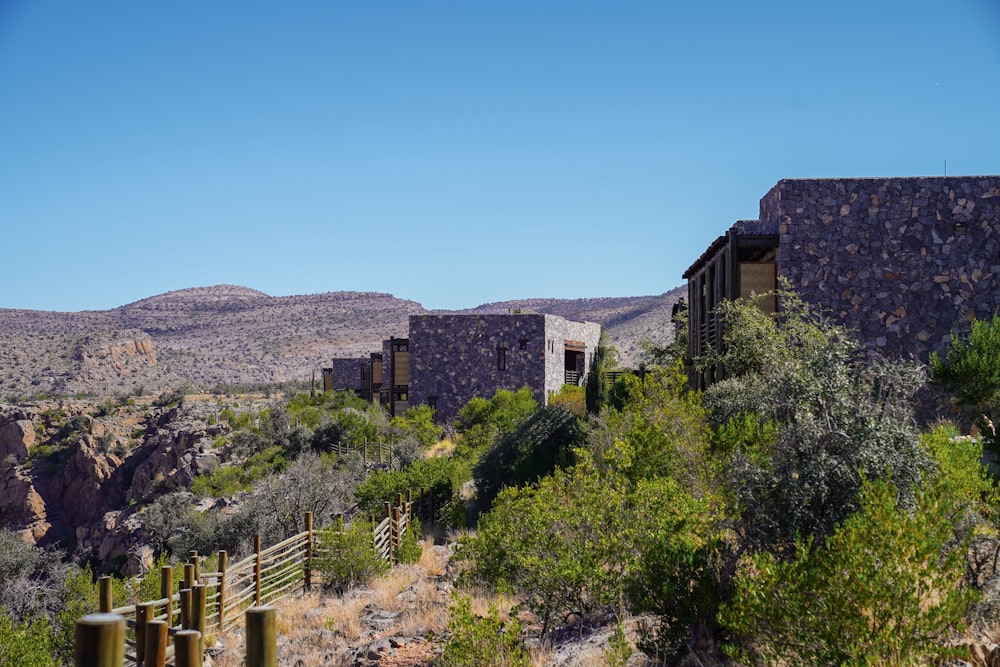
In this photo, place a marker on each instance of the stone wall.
(558, 331)
(903, 261)
(454, 358)
(347, 373)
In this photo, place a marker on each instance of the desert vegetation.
(794, 513)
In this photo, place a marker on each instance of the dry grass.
(444, 447)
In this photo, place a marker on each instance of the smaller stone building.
(345, 375)
(454, 358)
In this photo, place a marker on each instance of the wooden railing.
(213, 602)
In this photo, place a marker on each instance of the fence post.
(187, 644)
(193, 559)
(223, 562)
(185, 603)
(144, 613)
(256, 570)
(397, 532)
(100, 641)
(156, 644)
(104, 595)
(167, 591)
(190, 575)
(309, 550)
(262, 637)
(198, 603)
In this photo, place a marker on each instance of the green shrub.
(561, 545)
(26, 644)
(534, 449)
(410, 550)
(347, 559)
(444, 475)
(886, 587)
(478, 641)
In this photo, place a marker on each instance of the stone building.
(453, 358)
(345, 375)
(901, 261)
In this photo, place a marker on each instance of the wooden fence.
(213, 602)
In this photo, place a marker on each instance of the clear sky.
(452, 153)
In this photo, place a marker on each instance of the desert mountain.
(231, 335)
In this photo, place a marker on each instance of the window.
(524, 343)
(501, 358)
(432, 402)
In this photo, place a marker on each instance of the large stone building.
(901, 261)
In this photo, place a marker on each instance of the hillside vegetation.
(234, 336)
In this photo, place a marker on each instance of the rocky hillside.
(230, 335)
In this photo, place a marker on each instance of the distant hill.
(231, 335)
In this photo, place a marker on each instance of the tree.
(832, 418)
(604, 360)
(970, 370)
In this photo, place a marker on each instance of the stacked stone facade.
(902, 261)
(454, 358)
(347, 373)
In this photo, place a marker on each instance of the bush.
(410, 550)
(481, 421)
(886, 587)
(478, 641)
(26, 644)
(826, 418)
(560, 544)
(443, 475)
(347, 559)
(540, 444)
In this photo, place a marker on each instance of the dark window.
(524, 343)
(501, 358)
(432, 402)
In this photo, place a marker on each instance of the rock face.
(174, 459)
(17, 433)
(110, 361)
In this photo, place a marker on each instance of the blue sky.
(453, 153)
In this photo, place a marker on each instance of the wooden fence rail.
(214, 602)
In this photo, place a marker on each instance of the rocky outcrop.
(174, 459)
(113, 360)
(17, 433)
(22, 508)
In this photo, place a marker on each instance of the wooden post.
(156, 644)
(190, 575)
(100, 641)
(262, 637)
(185, 603)
(167, 591)
(144, 613)
(187, 648)
(309, 550)
(193, 559)
(198, 603)
(256, 570)
(223, 562)
(104, 595)
(397, 532)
